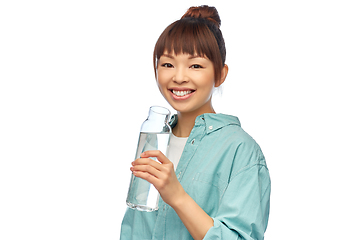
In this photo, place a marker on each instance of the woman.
(216, 184)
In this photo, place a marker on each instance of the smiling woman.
(214, 182)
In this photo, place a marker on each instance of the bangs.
(189, 36)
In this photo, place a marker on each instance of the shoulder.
(228, 128)
(246, 151)
(228, 133)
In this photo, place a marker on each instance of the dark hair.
(198, 31)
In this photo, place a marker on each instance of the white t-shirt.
(176, 147)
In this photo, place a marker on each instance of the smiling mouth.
(181, 93)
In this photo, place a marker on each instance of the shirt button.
(210, 127)
(192, 142)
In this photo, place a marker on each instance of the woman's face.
(186, 82)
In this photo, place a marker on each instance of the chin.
(182, 109)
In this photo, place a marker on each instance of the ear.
(224, 73)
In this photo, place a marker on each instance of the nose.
(180, 76)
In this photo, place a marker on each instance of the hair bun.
(204, 11)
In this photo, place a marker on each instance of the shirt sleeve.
(244, 208)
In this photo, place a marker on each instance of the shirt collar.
(212, 121)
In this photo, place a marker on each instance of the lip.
(181, 89)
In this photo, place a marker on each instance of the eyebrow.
(190, 57)
(195, 56)
(167, 55)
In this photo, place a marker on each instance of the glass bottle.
(154, 135)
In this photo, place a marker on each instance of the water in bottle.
(154, 135)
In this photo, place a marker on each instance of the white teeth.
(181, 93)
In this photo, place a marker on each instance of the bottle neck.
(159, 114)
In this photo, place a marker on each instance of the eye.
(196, 66)
(167, 65)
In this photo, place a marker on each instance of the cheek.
(162, 83)
(164, 77)
(159, 79)
(208, 82)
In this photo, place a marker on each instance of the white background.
(76, 82)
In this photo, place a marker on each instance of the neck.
(186, 122)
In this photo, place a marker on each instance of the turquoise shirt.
(223, 169)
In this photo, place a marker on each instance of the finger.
(147, 176)
(147, 161)
(155, 153)
(147, 169)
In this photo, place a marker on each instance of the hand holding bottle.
(161, 174)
